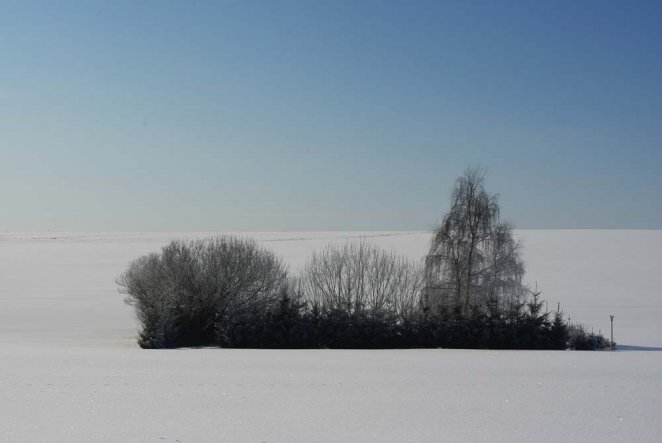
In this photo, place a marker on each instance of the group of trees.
(468, 293)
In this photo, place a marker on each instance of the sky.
(327, 115)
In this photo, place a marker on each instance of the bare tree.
(358, 277)
(500, 277)
(182, 293)
(473, 258)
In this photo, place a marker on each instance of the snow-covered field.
(70, 370)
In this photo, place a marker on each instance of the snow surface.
(70, 369)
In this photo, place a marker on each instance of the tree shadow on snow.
(637, 348)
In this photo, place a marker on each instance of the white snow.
(70, 370)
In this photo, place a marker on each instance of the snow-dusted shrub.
(181, 293)
(580, 339)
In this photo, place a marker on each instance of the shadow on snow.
(637, 348)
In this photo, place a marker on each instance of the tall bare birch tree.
(473, 261)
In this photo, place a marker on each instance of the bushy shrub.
(181, 293)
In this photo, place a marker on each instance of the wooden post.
(612, 333)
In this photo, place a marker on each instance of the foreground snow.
(114, 394)
(70, 371)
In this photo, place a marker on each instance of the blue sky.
(201, 115)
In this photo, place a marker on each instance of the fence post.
(613, 347)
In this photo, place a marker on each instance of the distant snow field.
(70, 369)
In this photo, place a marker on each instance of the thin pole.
(612, 332)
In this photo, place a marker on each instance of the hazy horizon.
(290, 231)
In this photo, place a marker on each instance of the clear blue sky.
(215, 115)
